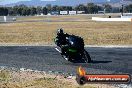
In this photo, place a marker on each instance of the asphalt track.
(46, 58)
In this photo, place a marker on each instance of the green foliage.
(44, 10)
(81, 7)
(107, 7)
(39, 10)
(89, 8)
(3, 11)
(4, 75)
(33, 11)
(128, 8)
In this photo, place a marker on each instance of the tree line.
(90, 8)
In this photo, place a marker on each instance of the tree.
(96, 8)
(33, 11)
(45, 10)
(69, 8)
(60, 8)
(39, 10)
(107, 7)
(91, 8)
(10, 11)
(18, 10)
(15, 10)
(100, 8)
(23, 13)
(22, 9)
(26, 11)
(3, 11)
(49, 7)
(54, 8)
(64, 8)
(128, 8)
(80, 7)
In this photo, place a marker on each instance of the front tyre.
(86, 57)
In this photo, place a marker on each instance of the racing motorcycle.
(74, 49)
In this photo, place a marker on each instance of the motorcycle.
(74, 50)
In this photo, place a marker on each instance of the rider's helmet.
(60, 31)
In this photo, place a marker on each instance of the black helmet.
(60, 31)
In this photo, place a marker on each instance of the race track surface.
(46, 58)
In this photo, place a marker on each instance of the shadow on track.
(92, 62)
(97, 62)
(79, 63)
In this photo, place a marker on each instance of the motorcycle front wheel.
(86, 57)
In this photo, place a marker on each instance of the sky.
(3, 2)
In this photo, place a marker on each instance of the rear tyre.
(86, 57)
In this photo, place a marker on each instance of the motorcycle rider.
(61, 40)
(61, 37)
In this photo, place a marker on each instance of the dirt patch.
(34, 79)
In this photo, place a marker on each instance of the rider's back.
(76, 41)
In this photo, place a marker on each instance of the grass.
(94, 33)
(43, 83)
(65, 17)
(4, 75)
(37, 82)
(55, 18)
